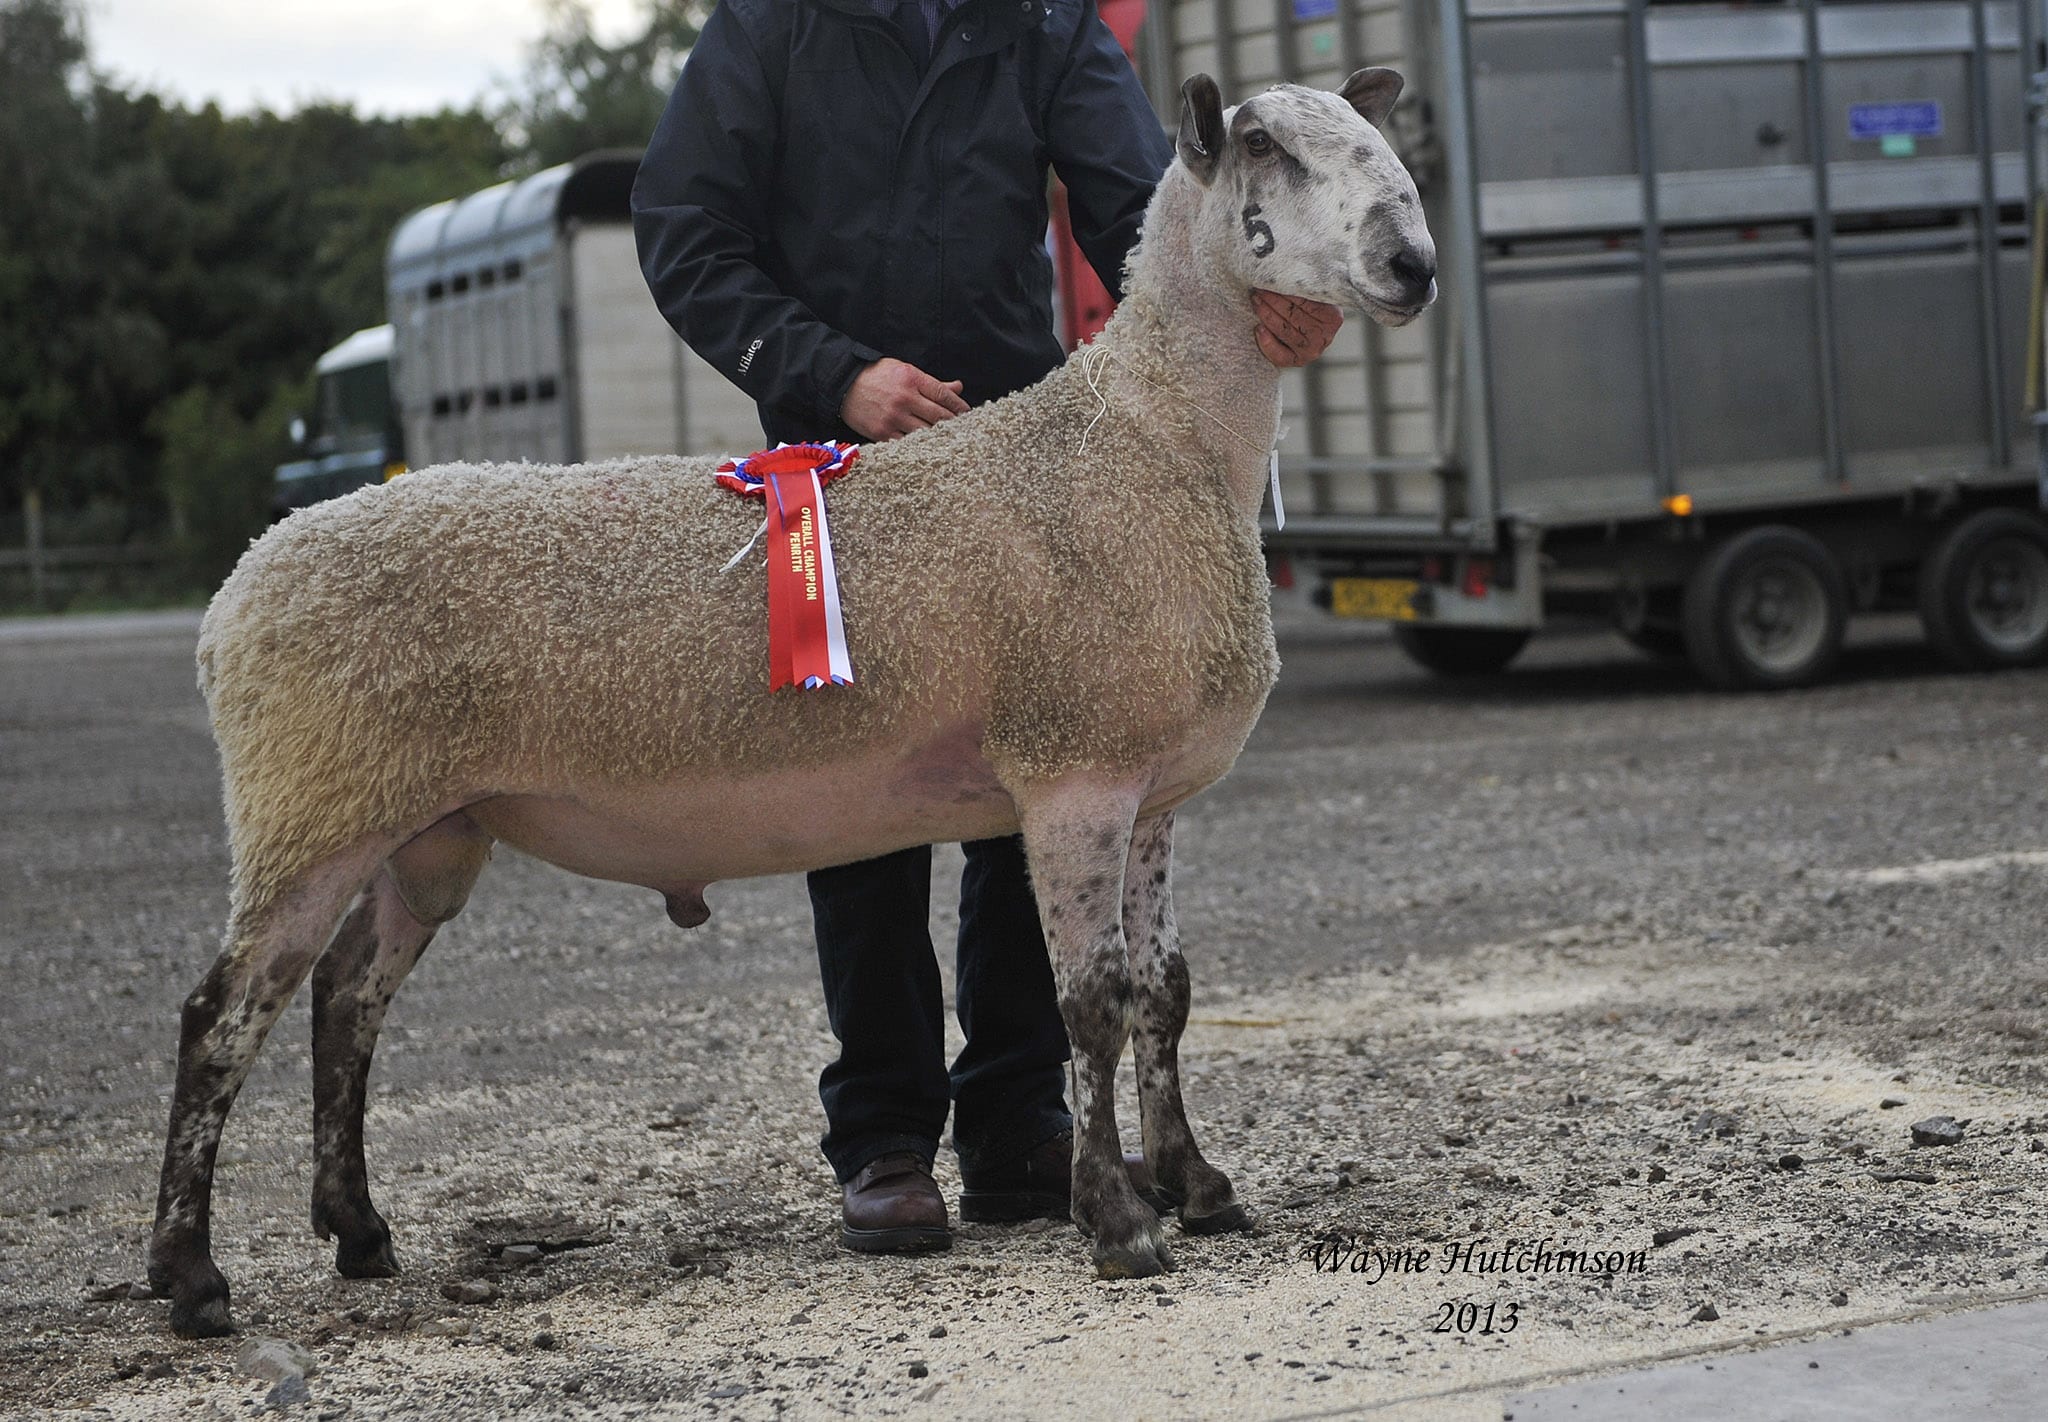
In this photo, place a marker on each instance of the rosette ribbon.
(806, 635)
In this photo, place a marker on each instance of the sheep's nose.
(1414, 270)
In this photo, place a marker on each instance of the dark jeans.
(889, 1089)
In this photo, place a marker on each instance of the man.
(843, 211)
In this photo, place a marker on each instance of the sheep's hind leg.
(269, 948)
(1077, 837)
(1160, 975)
(421, 887)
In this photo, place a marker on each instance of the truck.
(350, 437)
(1740, 332)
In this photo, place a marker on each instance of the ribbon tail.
(839, 663)
(781, 615)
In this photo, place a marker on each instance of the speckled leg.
(269, 949)
(1160, 976)
(352, 986)
(423, 885)
(1077, 837)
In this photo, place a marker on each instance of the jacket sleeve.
(701, 223)
(1107, 146)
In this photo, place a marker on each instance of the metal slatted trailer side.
(1709, 269)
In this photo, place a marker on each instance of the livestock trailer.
(524, 330)
(1739, 335)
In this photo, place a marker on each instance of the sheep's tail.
(217, 634)
(212, 630)
(205, 660)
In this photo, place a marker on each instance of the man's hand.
(1292, 331)
(893, 397)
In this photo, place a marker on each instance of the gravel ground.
(1584, 955)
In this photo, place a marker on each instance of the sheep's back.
(467, 626)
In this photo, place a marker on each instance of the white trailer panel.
(525, 331)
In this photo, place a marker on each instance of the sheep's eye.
(1258, 143)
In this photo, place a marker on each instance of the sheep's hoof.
(687, 910)
(200, 1309)
(1231, 1219)
(370, 1259)
(1143, 1256)
(363, 1248)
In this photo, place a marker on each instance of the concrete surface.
(1586, 954)
(1988, 1366)
(99, 627)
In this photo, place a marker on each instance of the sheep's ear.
(1372, 92)
(1201, 127)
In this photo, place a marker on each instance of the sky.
(387, 56)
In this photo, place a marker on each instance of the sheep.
(1058, 609)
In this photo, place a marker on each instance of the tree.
(46, 272)
(412, 162)
(169, 274)
(581, 94)
(215, 471)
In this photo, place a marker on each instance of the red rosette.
(748, 477)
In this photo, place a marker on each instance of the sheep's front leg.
(1160, 975)
(1077, 838)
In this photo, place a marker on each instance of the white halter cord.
(748, 547)
(1091, 364)
(1092, 356)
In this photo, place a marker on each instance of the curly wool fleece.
(464, 631)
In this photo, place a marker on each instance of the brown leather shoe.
(1038, 1185)
(894, 1207)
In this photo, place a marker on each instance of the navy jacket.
(810, 204)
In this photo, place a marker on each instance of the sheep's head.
(1304, 196)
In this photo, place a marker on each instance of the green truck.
(351, 437)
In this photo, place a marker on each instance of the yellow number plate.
(1391, 599)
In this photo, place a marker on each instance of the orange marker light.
(1679, 504)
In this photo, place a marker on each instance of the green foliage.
(49, 305)
(165, 269)
(168, 275)
(216, 470)
(581, 94)
(410, 163)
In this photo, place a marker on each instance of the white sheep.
(1064, 638)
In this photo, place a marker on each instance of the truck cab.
(350, 437)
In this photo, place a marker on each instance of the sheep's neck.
(1189, 332)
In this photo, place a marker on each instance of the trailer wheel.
(1461, 651)
(1984, 591)
(1766, 609)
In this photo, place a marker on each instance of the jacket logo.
(748, 359)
